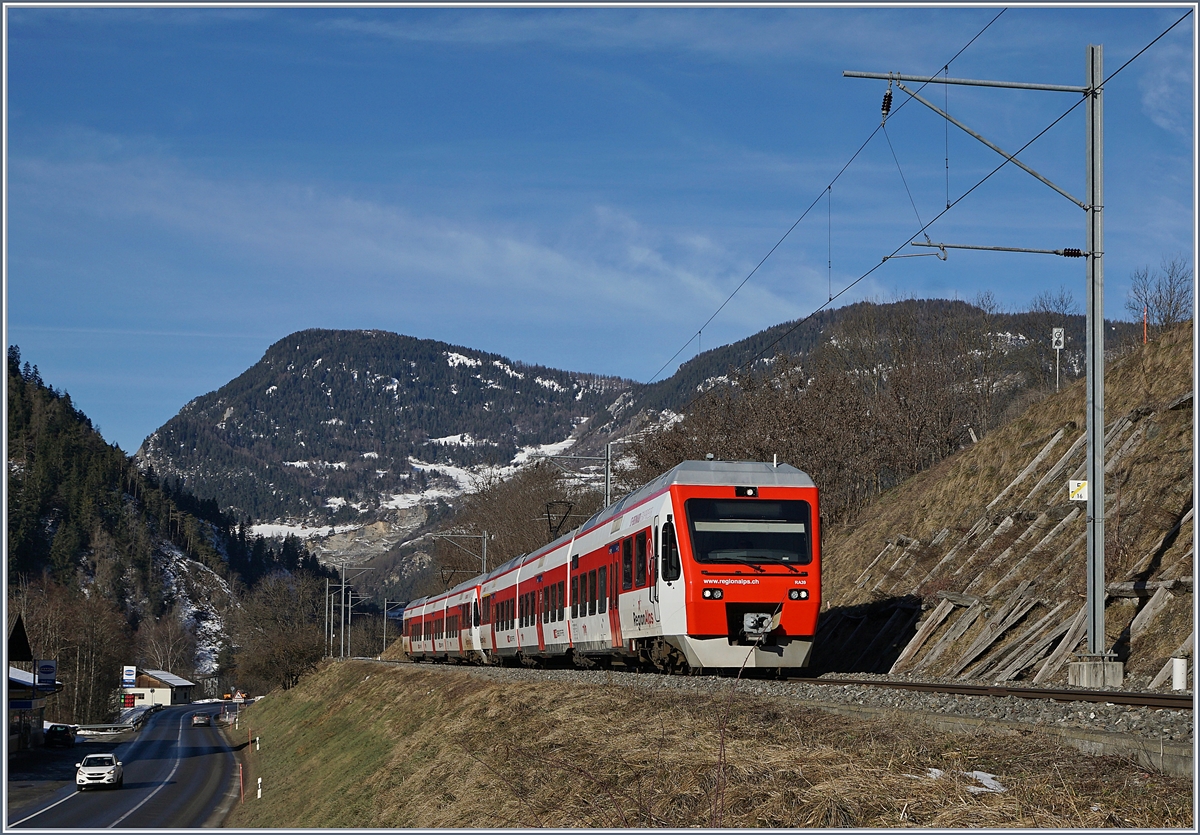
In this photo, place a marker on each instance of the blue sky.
(579, 188)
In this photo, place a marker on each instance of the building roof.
(22, 678)
(169, 678)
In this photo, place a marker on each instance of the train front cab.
(742, 560)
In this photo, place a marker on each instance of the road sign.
(128, 676)
(47, 673)
(1057, 339)
(1077, 490)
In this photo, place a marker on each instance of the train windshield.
(750, 530)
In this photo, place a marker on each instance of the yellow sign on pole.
(1077, 490)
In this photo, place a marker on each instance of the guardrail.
(101, 730)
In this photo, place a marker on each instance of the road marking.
(47, 809)
(174, 768)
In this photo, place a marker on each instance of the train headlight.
(798, 594)
(712, 594)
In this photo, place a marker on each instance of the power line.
(960, 198)
(803, 215)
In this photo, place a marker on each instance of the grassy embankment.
(368, 745)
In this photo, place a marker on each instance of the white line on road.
(174, 768)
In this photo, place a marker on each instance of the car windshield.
(750, 530)
(96, 760)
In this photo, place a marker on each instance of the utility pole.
(386, 604)
(606, 458)
(1098, 668)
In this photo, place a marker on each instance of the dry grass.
(1156, 480)
(367, 745)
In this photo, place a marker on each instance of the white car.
(99, 770)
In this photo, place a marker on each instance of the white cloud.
(1166, 88)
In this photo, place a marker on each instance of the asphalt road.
(176, 776)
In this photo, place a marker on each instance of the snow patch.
(530, 453)
(370, 455)
(272, 389)
(280, 530)
(507, 370)
(550, 384)
(455, 360)
(462, 439)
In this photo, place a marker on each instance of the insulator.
(887, 102)
(1072, 253)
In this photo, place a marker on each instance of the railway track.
(1174, 701)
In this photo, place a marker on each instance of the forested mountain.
(108, 565)
(335, 420)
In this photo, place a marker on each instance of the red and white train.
(713, 565)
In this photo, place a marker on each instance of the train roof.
(742, 473)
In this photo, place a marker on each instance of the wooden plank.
(1000, 529)
(1029, 468)
(862, 578)
(963, 541)
(1020, 642)
(1006, 555)
(1032, 653)
(991, 635)
(926, 629)
(1042, 543)
(993, 623)
(1056, 471)
(956, 631)
(1059, 655)
(1153, 606)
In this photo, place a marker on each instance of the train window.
(575, 596)
(562, 601)
(671, 566)
(592, 592)
(544, 595)
(603, 583)
(639, 559)
(627, 564)
(750, 530)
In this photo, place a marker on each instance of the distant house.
(158, 687)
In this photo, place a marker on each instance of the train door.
(671, 597)
(614, 597)
(540, 613)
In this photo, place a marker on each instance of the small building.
(158, 687)
(26, 701)
(26, 710)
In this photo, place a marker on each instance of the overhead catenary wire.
(960, 198)
(903, 179)
(804, 214)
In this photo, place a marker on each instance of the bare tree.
(279, 630)
(513, 512)
(1061, 303)
(1163, 295)
(88, 637)
(165, 643)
